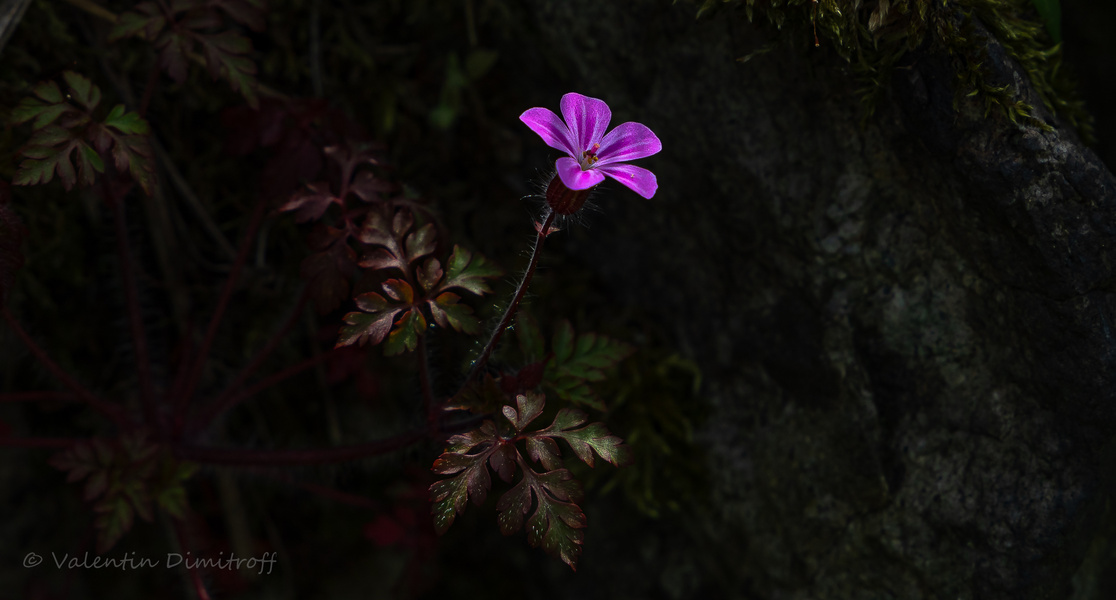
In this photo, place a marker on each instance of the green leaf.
(372, 325)
(224, 56)
(594, 438)
(49, 92)
(405, 336)
(44, 114)
(128, 123)
(557, 523)
(450, 495)
(82, 90)
(581, 359)
(468, 272)
(114, 519)
(448, 313)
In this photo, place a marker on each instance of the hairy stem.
(478, 365)
(110, 410)
(290, 458)
(135, 320)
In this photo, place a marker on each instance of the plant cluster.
(380, 268)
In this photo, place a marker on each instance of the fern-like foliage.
(556, 521)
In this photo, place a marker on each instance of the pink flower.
(592, 153)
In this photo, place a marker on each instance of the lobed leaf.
(581, 359)
(421, 243)
(114, 519)
(430, 274)
(468, 272)
(372, 325)
(82, 90)
(311, 203)
(128, 123)
(404, 338)
(225, 57)
(448, 312)
(450, 495)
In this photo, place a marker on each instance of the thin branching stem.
(230, 401)
(478, 365)
(109, 410)
(187, 390)
(262, 355)
(135, 319)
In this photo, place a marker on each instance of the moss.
(873, 35)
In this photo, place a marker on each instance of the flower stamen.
(589, 157)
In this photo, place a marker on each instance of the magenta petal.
(587, 119)
(638, 179)
(550, 128)
(628, 142)
(574, 178)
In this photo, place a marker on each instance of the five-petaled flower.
(592, 153)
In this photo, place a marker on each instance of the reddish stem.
(217, 409)
(478, 365)
(182, 399)
(109, 410)
(262, 355)
(290, 458)
(135, 320)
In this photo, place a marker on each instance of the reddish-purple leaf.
(381, 258)
(421, 243)
(372, 325)
(399, 290)
(311, 203)
(368, 187)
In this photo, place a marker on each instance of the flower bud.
(563, 200)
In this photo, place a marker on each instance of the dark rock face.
(905, 326)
